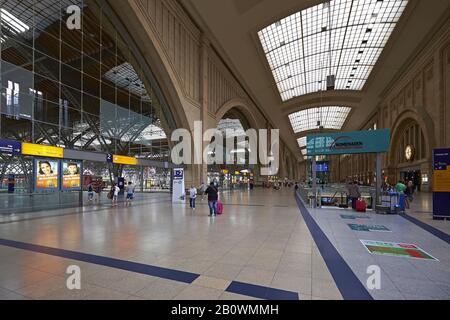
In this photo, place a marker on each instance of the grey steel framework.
(85, 89)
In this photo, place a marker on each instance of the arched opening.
(236, 172)
(408, 156)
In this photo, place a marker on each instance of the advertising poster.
(407, 250)
(365, 227)
(47, 174)
(71, 175)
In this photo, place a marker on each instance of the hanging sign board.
(371, 141)
(41, 150)
(10, 147)
(124, 160)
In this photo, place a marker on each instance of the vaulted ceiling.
(233, 26)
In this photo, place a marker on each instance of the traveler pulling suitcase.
(360, 205)
(219, 207)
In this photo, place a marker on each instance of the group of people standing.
(94, 193)
(406, 188)
(213, 196)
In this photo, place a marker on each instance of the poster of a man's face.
(71, 175)
(47, 174)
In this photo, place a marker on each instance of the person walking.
(213, 196)
(115, 194)
(353, 193)
(192, 197)
(90, 193)
(98, 190)
(130, 193)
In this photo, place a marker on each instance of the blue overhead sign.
(178, 174)
(371, 141)
(10, 147)
(322, 167)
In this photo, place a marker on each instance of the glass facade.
(77, 88)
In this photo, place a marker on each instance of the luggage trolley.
(390, 203)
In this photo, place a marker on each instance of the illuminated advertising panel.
(71, 175)
(46, 174)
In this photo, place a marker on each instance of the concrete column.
(198, 172)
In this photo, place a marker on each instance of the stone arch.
(400, 124)
(407, 118)
(151, 49)
(242, 106)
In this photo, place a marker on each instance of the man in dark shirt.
(212, 193)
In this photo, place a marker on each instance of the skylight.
(331, 117)
(340, 38)
(13, 23)
(125, 76)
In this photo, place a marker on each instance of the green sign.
(371, 141)
(364, 227)
(352, 217)
(396, 249)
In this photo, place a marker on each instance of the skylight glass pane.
(330, 117)
(344, 38)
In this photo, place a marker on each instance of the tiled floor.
(422, 208)
(401, 277)
(261, 239)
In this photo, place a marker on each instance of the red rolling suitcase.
(360, 205)
(219, 207)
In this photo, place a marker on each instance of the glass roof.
(343, 38)
(126, 77)
(330, 117)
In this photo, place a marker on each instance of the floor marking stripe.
(165, 273)
(346, 281)
(261, 292)
(434, 231)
